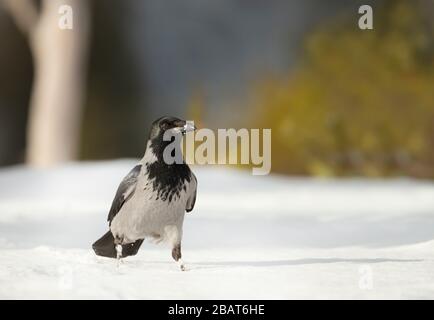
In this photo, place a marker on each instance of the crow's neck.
(167, 179)
(155, 151)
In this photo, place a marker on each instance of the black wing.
(125, 191)
(192, 199)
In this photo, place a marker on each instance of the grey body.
(145, 215)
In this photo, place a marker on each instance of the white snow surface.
(249, 237)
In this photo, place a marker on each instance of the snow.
(249, 237)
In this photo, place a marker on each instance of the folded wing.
(193, 192)
(125, 190)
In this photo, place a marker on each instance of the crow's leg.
(118, 246)
(119, 253)
(176, 254)
(173, 234)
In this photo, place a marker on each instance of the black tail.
(105, 246)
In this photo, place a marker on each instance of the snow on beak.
(189, 126)
(183, 127)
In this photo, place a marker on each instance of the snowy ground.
(249, 237)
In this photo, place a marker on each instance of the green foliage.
(360, 103)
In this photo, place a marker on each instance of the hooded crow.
(152, 199)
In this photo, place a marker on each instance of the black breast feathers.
(168, 180)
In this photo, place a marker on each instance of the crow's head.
(171, 125)
(164, 131)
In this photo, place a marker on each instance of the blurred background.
(355, 106)
(341, 101)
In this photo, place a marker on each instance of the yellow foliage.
(360, 102)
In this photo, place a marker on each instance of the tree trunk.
(59, 56)
(53, 131)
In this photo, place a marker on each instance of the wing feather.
(125, 191)
(192, 199)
